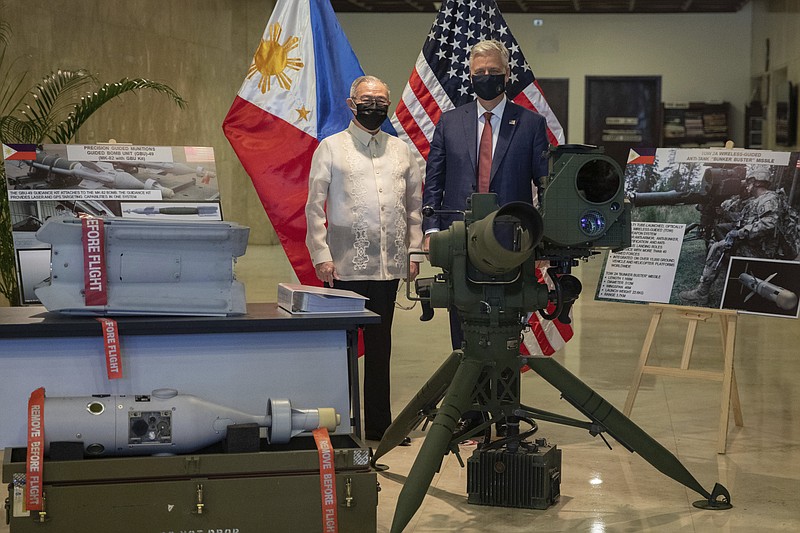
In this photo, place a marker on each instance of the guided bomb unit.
(165, 422)
(152, 266)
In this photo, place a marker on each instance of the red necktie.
(485, 154)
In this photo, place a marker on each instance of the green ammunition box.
(274, 490)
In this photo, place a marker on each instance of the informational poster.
(715, 228)
(91, 180)
(646, 270)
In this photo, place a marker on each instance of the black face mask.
(371, 116)
(489, 86)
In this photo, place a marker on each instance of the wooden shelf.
(695, 124)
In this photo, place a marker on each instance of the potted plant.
(52, 111)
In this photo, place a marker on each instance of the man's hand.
(426, 243)
(732, 235)
(413, 271)
(326, 272)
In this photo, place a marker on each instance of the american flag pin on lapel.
(512, 122)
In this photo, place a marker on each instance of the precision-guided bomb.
(165, 422)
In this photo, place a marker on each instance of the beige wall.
(700, 57)
(203, 48)
(199, 47)
(779, 22)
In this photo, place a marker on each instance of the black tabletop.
(36, 321)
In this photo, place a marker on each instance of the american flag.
(440, 79)
(440, 82)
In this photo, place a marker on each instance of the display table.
(234, 361)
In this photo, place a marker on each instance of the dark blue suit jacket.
(519, 160)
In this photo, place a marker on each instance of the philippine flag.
(292, 98)
(19, 152)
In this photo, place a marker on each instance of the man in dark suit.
(508, 157)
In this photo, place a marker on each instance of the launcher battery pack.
(528, 478)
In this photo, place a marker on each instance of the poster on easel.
(94, 180)
(714, 228)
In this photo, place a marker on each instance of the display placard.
(707, 226)
(95, 180)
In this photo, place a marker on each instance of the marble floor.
(613, 490)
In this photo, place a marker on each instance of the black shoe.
(469, 420)
(406, 442)
(464, 425)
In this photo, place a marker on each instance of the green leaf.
(5, 29)
(54, 97)
(11, 93)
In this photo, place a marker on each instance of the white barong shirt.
(369, 191)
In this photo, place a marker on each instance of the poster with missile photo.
(714, 228)
(92, 180)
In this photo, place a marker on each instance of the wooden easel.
(730, 392)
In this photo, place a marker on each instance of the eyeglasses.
(371, 102)
(490, 72)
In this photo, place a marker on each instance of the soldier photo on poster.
(733, 203)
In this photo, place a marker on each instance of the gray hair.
(363, 79)
(487, 47)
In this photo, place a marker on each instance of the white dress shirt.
(373, 191)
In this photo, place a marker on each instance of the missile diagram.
(95, 175)
(783, 298)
